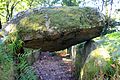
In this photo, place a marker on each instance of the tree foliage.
(10, 7)
(70, 2)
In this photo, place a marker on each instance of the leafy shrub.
(9, 48)
(6, 63)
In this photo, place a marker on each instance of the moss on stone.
(56, 19)
(73, 17)
(60, 19)
(97, 64)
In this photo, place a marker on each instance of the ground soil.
(54, 67)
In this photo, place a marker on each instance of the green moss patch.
(60, 19)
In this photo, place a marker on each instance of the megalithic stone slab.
(56, 28)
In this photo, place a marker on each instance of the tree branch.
(2, 15)
(12, 8)
(7, 10)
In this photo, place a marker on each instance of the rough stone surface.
(82, 55)
(96, 65)
(53, 29)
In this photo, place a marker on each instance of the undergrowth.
(9, 48)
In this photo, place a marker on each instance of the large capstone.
(53, 29)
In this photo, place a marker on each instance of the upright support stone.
(73, 52)
(81, 57)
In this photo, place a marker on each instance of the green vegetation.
(13, 61)
(6, 63)
(102, 63)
